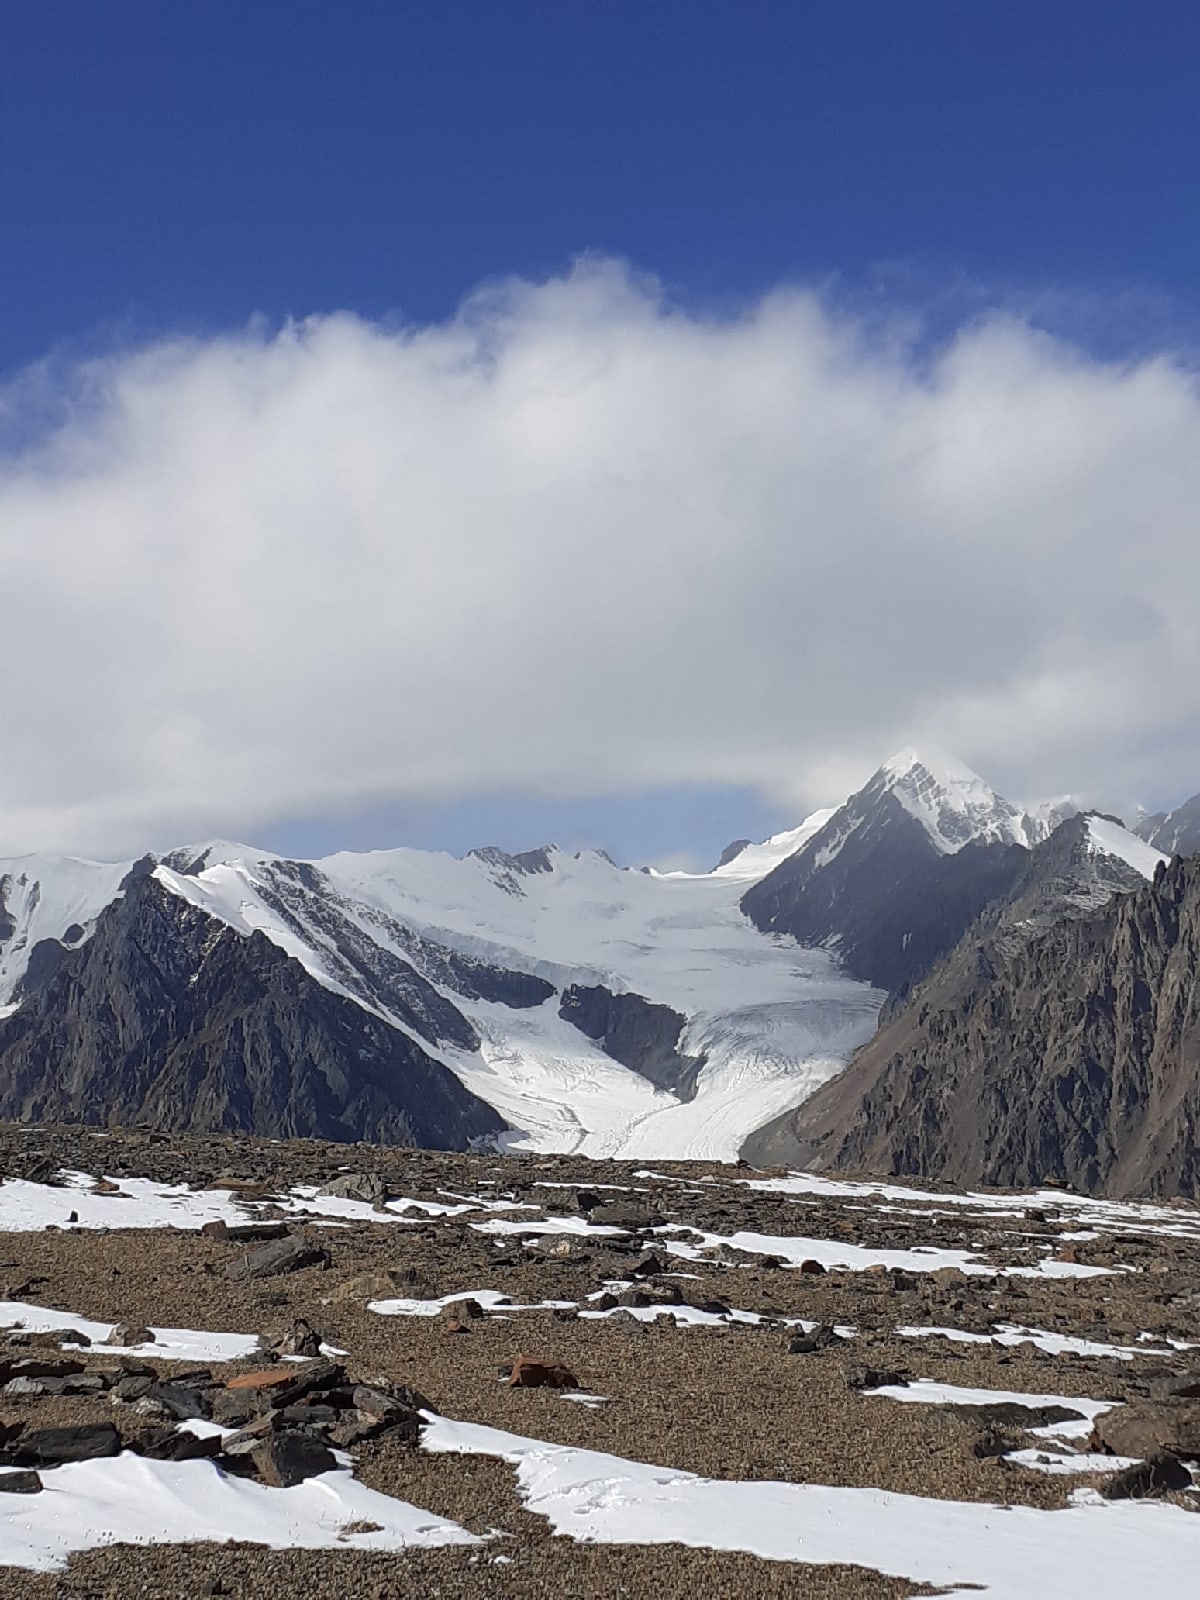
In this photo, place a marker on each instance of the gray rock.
(368, 1187)
(276, 1257)
(129, 1334)
(284, 1459)
(1159, 1475)
(1169, 1427)
(20, 1483)
(51, 1447)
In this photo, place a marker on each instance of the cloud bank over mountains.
(579, 540)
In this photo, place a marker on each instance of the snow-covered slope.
(49, 897)
(754, 861)
(1109, 838)
(770, 1020)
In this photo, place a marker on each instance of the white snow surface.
(834, 1253)
(141, 1203)
(1109, 1216)
(773, 1021)
(131, 1500)
(169, 1344)
(1093, 1550)
(1054, 1344)
(953, 804)
(756, 860)
(45, 896)
(1110, 839)
(927, 1391)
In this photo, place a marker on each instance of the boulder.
(51, 1447)
(180, 1402)
(368, 1187)
(130, 1334)
(1168, 1427)
(527, 1374)
(1147, 1479)
(284, 1459)
(20, 1483)
(862, 1378)
(302, 1341)
(276, 1257)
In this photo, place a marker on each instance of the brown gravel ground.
(728, 1402)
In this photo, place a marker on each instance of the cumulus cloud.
(578, 540)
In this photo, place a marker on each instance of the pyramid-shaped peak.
(954, 804)
(930, 763)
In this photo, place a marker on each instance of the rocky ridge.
(1072, 1054)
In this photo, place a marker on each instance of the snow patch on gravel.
(128, 1499)
(170, 1344)
(1094, 1550)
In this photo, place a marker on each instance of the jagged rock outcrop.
(636, 1032)
(167, 1017)
(1072, 1055)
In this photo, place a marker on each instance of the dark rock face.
(872, 886)
(1175, 833)
(168, 1017)
(634, 1031)
(1074, 1056)
(732, 851)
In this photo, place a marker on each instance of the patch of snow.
(928, 1391)
(1094, 1550)
(1054, 1344)
(1110, 839)
(836, 1253)
(1059, 1463)
(576, 1226)
(489, 1299)
(1180, 1220)
(140, 1203)
(170, 1344)
(131, 1500)
(756, 860)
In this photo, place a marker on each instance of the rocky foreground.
(323, 1321)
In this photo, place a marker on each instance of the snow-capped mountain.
(895, 876)
(545, 1000)
(1059, 1038)
(595, 1008)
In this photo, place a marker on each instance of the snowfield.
(1093, 1550)
(773, 1021)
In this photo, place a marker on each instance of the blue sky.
(187, 168)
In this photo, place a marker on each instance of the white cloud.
(578, 540)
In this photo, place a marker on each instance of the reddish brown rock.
(529, 1374)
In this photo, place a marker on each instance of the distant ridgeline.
(1014, 992)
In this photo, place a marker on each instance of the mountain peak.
(952, 803)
